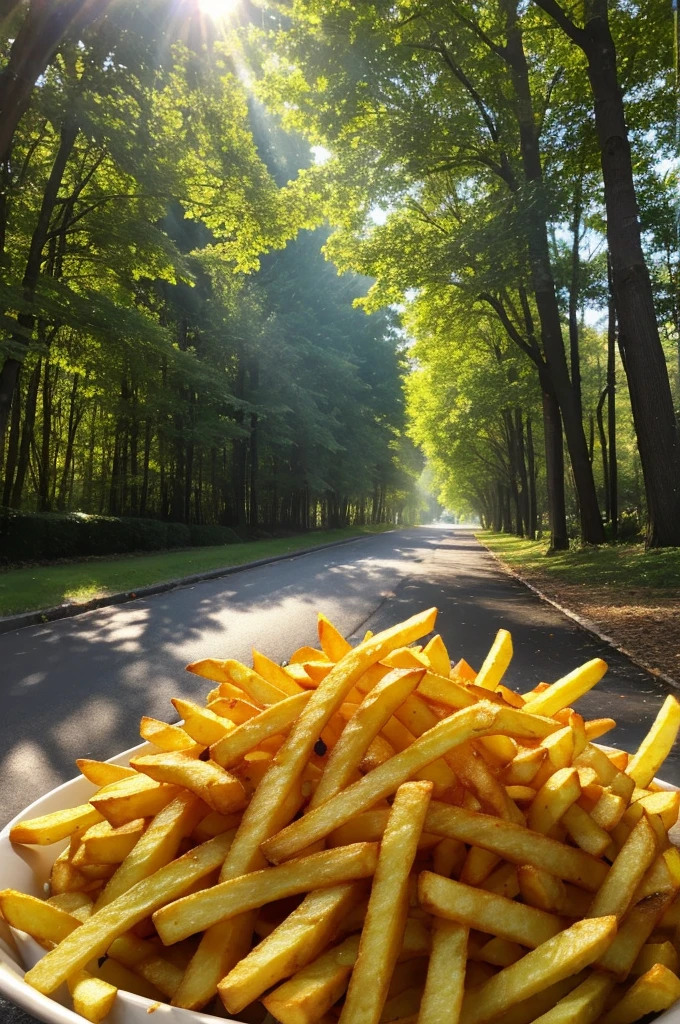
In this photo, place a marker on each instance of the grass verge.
(629, 594)
(623, 565)
(43, 586)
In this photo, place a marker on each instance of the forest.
(261, 263)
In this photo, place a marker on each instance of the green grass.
(626, 566)
(42, 586)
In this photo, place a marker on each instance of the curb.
(586, 624)
(8, 623)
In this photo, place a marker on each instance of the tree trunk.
(554, 460)
(26, 436)
(641, 349)
(13, 446)
(144, 493)
(254, 380)
(523, 476)
(535, 219)
(574, 290)
(605, 459)
(611, 416)
(74, 419)
(531, 468)
(26, 320)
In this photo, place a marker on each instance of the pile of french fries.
(371, 835)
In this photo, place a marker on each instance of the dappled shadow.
(79, 687)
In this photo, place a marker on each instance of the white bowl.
(27, 869)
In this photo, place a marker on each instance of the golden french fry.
(310, 993)
(542, 890)
(483, 718)
(299, 939)
(565, 954)
(617, 890)
(195, 913)
(597, 727)
(496, 662)
(102, 844)
(307, 653)
(383, 931)
(44, 921)
(203, 725)
(213, 824)
(657, 744)
(122, 978)
(665, 803)
(234, 710)
(485, 911)
(499, 952)
(77, 904)
(157, 847)
(94, 937)
(445, 691)
(583, 830)
(246, 679)
(655, 991)
(436, 653)
(583, 1005)
(372, 714)
(448, 857)
(270, 671)
(233, 747)
(132, 798)
(51, 828)
(101, 773)
(555, 796)
(568, 689)
(331, 639)
(633, 932)
(220, 790)
(168, 737)
(143, 959)
(656, 953)
(524, 767)
(93, 998)
(516, 844)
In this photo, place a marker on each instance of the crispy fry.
(101, 773)
(203, 725)
(443, 994)
(632, 934)
(300, 938)
(333, 643)
(195, 913)
(156, 847)
(383, 931)
(233, 747)
(376, 709)
(44, 921)
(93, 998)
(568, 689)
(496, 662)
(310, 993)
(270, 671)
(565, 954)
(51, 828)
(220, 790)
(436, 653)
(102, 844)
(485, 911)
(246, 679)
(516, 844)
(168, 737)
(583, 1005)
(132, 798)
(657, 744)
(655, 991)
(618, 888)
(94, 937)
(555, 796)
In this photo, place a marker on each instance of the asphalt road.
(78, 687)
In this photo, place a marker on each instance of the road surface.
(78, 687)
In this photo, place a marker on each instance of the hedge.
(44, 536)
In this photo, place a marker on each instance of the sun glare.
(217, 10)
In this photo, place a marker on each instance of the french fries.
(371, 835)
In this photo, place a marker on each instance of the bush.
(45, 536)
